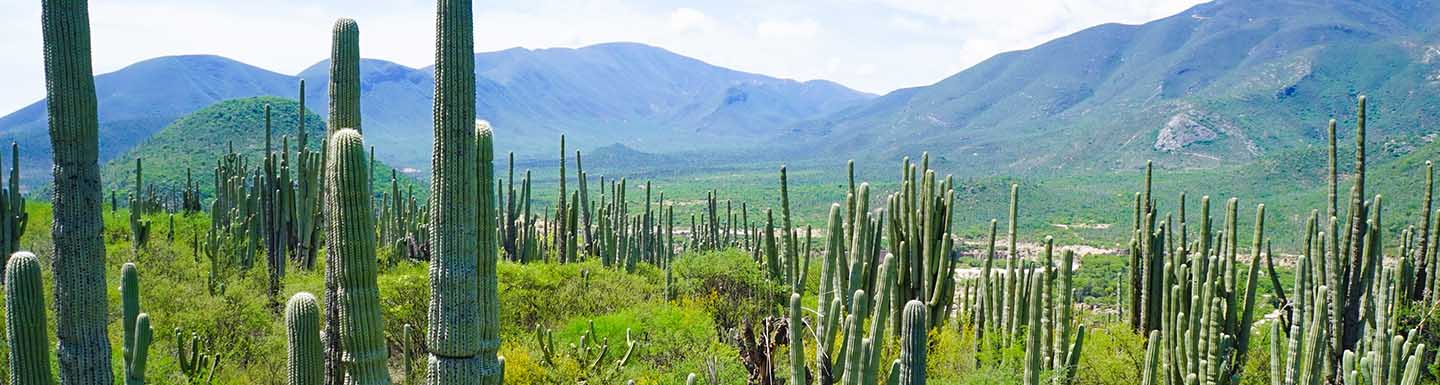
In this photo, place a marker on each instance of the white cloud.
(687, 19)
(788, 29)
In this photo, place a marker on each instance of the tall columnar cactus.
(1033, 337)
(562, 233)
(29, 346)
(304, 242)
(1151, 374)
(136, 325)
(488, 248)
(350, 245)
(344, 76)
(275, 192)
(797, 345)
(461, 352)
(303, 362)
(913, 343)
(79, 263)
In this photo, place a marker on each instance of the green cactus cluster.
(276, 192)
(272, 208)
(715, 230)
(139, 226)
(12, 207)
(402, 223)
(197, 362)
(305, 213)
(919, 234)
(1338, 323)
(190, 195)
(591, 353)
(863, 290)
(1029, 302)
(518, 232)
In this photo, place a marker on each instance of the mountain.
(645, 97)
(642, 96)
(1222, 83)
(197, 140)
(139, 100)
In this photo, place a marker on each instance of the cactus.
(302, 327)
(1033, 342)
(274, 189)
(79, 262)
(29, 346)
(139, 227)
(797, 345)
(306, 207)
(344, 77)
(12, 208)
(1151, 374)
(562, 235)
(913, 343)
(197, 366)
(350, 241)
(136, 326)
(463, 328)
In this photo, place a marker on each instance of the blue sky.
(871, 45)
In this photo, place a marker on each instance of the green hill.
(1223, 83)
(196, 141)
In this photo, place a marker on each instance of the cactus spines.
(913, 343)
(29, 346)
(79, 263)
(344, 77)
(350, 241)
(302, 331)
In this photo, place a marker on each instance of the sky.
(874, 46)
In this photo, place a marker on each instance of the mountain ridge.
(534, 95)
(1223, 82)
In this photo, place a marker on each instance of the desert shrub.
(548, 293)
(727, 284)
(1113, 354)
